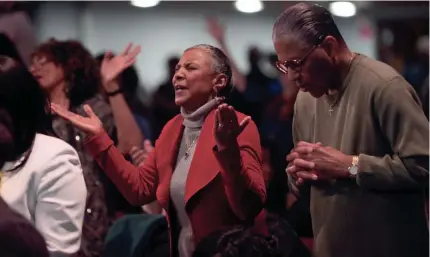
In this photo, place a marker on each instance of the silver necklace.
(331, 105)
(187, 152)
(335, 95)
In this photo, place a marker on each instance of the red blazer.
(223, 189)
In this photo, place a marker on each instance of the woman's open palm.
(112, 66)
(227, 128)
(91, 125)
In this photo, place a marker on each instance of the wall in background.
(170, 28)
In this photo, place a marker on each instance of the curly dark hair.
(241, 241)
(237, 242)
(81, 71)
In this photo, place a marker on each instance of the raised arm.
(128, 132)
(217, 32)
(402, 121)
(138, 185)
(238, 152)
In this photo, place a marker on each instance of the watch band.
(114, 93)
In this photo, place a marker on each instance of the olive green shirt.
(380, 212)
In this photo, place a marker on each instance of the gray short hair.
(305, 22)
(220, 64)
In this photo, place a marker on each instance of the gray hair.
(305, 22)
(220, 64)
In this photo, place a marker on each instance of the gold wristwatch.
(353, 169)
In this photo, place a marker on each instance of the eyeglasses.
(38, 63)
(296, 65)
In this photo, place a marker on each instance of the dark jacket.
(18, 237)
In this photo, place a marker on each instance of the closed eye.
(188, 66)
(191, 66)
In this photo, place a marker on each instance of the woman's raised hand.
(215, 29)
(112, 66)
(91, 125)
(227, 127)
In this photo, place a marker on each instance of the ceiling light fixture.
(144, 3)
(343, 9)
(248, 6)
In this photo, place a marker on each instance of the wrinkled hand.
(138, 155)
(227, 127)
(90, 125)
(215, 29)
(300, 170)
(317, 162)
(112, 66)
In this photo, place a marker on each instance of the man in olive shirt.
(361, 142)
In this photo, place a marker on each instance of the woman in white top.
(41, 176)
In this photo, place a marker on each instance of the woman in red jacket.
(205, 168)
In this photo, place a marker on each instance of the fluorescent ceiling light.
(343, 9)
(248, 6)
(144, 3)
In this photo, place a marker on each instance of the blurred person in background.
(16, 25)
(41, 176)
(416, 68)
(163, 100)
(277, 116)
(71, 78)
(251, 95)
(205, 168)
(128, 85)
(361, 142)
(418, 74)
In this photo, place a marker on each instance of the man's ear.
(330, 46)
(219, 82)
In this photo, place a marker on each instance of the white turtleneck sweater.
(193, 123)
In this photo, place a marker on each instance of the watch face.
(353, 170)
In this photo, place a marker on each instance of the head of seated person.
(244, 242)
(237, 242)
(18, 237)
